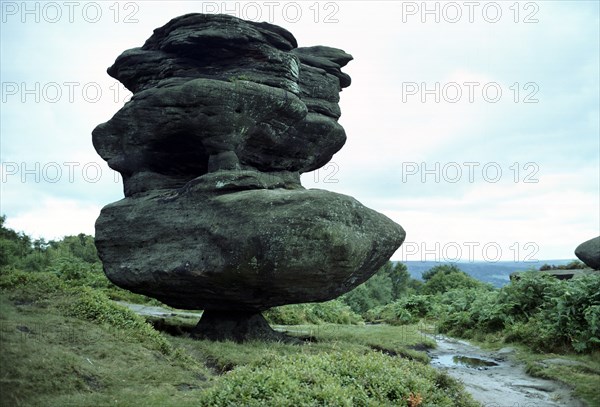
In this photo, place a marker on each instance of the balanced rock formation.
(589, 252)
(225, 116)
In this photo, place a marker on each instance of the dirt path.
(496, 381)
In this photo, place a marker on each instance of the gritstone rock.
(225, 116)
(589, 252)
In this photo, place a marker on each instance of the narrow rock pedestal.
(235, 325)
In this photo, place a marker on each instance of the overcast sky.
(474, 125)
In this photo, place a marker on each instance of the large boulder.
(248, 249)
(589, 252)
(226, 115)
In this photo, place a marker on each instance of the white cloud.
(552, 217)
(54, 218)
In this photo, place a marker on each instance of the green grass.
(407, 341)
(49, 359)
(334, 311)
(583, 375)
(73, 346)
(343, 378)
(67, 344)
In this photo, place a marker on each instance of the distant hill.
(497, 274)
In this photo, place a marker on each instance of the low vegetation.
(70, 345)
(334, 312)
(537, 310)
(543, 317)
(66, 342)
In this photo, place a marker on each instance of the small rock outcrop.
(589, 253)
(225, 116)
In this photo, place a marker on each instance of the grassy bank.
(65, 345)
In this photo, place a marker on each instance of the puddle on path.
(458, 360)
(494, 379)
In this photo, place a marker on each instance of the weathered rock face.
(226, 115)
(251, 249)
(589, 252)
(216, 92)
